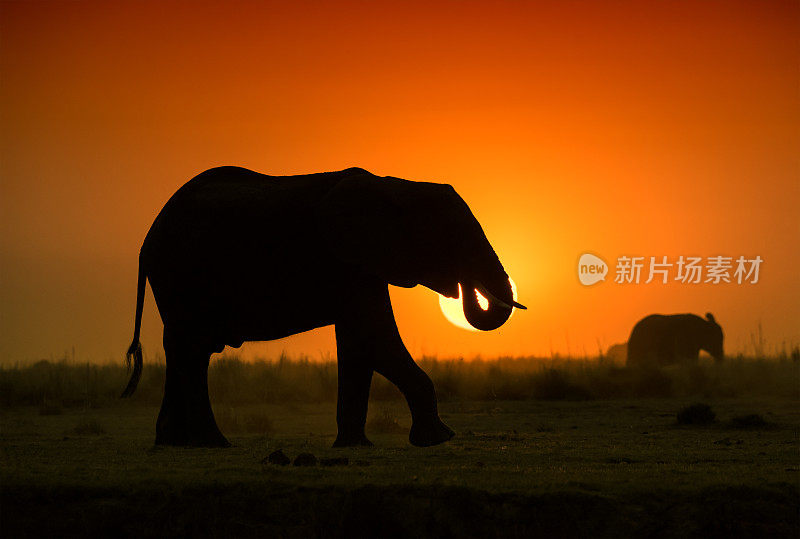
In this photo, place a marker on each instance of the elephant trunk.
(497, 312)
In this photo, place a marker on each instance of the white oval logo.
(591, 269)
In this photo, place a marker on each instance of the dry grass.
(236, 383)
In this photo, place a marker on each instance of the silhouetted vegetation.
(53, 385)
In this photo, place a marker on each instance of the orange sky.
(638, 128)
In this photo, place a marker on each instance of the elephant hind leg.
(355, 378)
(186, 418)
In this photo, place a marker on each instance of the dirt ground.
(515, 469)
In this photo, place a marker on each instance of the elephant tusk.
(491, 297)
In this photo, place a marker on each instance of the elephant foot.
(428, 434)
(359, 440)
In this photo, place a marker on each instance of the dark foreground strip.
(276, 510)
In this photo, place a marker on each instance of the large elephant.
(238, 256)
(659, 340)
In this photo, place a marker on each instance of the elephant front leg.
(186, 418)
(369, 330)
(397, 365)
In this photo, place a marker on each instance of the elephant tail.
(135, 349)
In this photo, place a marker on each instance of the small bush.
(752, 421)
(89, 427)
(385, 422)
(696, 414)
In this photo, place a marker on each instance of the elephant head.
(712, 340)
(409, 233)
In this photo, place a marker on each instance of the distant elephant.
(659, 340)
(239, 256)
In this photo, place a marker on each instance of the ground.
(515, 469)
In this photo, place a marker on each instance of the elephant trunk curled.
(484, 273)
(497, 312)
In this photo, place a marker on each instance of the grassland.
(550, 447)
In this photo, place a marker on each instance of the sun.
(454, 311)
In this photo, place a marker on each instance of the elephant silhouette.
(659, 340)
(238, 256)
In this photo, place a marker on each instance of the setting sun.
(666, 129)
(453, 310)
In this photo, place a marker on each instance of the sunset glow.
(618, 128)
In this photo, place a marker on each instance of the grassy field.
(572, 455)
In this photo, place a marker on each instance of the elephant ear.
(363, 224)
(710, 318)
